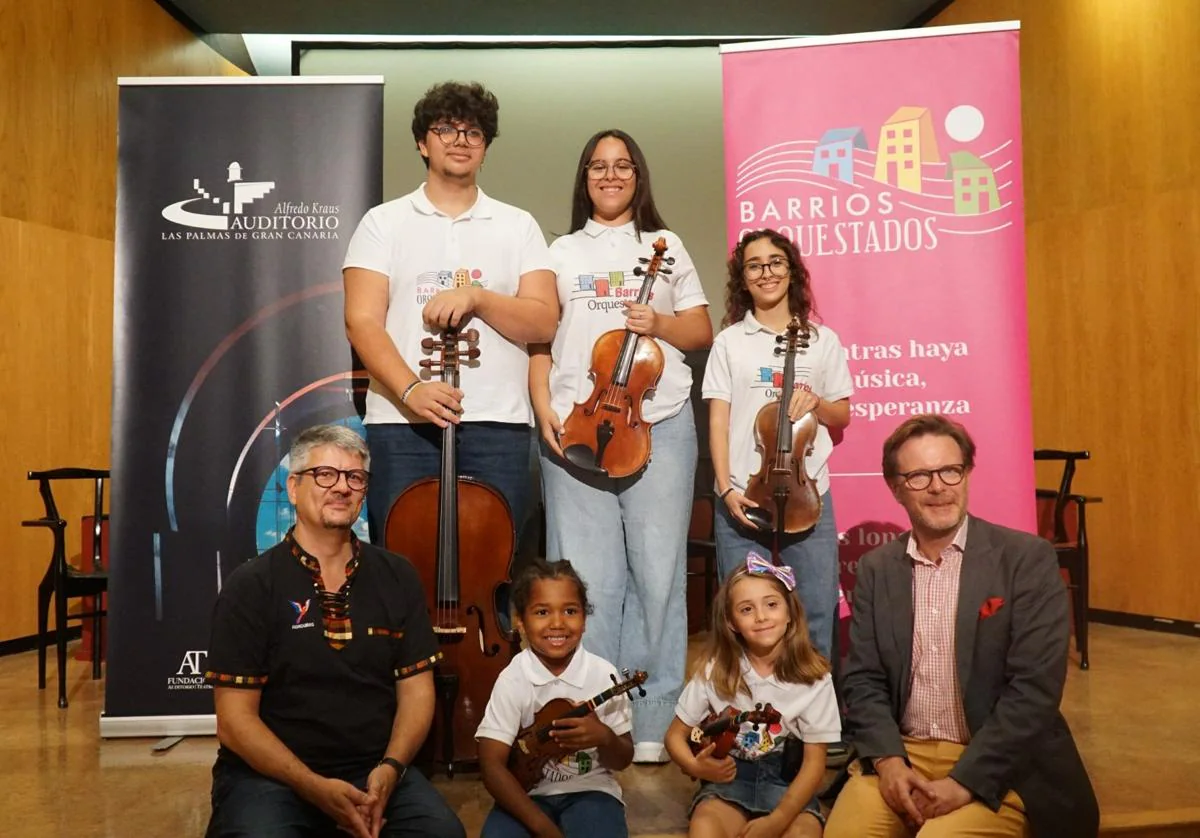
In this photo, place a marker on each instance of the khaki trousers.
(860, 811)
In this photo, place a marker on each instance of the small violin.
(534, 746)
(721, 729)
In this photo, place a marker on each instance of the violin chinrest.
(582, 457)
(760, 517)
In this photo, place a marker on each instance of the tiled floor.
(1133, 713)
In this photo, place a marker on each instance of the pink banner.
(894, 162)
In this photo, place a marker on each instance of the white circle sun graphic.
(964, 123)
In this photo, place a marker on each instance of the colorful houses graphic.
(451, 279)
(600, 285)
(906, 141)
(771, 377)
(975, 189)
(834, 154)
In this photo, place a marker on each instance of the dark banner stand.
(236, 199)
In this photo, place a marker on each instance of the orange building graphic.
(906, 141)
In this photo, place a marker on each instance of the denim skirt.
(756, 789)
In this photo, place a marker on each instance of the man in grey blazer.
(958, 660)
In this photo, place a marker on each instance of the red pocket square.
(990, 606)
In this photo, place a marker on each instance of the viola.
(534, 747)
(606, 434)
(787, 497)
(442, 524)
(721, 729)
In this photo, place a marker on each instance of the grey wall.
(551, 101)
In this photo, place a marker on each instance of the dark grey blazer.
(1011, 669)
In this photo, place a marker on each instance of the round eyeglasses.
(327, 477)
(621, 169)
(449, 135)
(776, 267)
(922, 478)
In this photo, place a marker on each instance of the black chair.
(1062, 520)
(63, 581)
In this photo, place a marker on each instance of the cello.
(787, 498)
(606, 434)
(442, 524)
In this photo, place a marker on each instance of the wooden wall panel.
(1112, 164)
(59, 63)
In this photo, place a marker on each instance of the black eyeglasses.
(757, 270)
(448, 134)
(327, 477)
(922, 478)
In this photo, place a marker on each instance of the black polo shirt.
(332, 707)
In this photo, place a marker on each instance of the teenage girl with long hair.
(768, 285)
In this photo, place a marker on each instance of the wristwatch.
(400, 767)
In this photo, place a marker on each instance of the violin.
(534, 747)
(605, 434)
(787, 497)
(721, 729)
(441, 524)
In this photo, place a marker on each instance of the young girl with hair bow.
(759, 654)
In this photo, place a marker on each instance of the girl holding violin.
(627, 536)
(576, 795)
(759, 655)
(768, 286)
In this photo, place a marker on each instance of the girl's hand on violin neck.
(579, 734)
(437, 402)
(737, 503)
(705, 767)
(803, 401)
(640, 318)
(451, 308)
(550, 426)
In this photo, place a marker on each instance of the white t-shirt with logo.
(808, 712)
(744, 370)
(423, 251)
(526, 686)
(595, 276)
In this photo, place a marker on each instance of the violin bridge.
(449, 629)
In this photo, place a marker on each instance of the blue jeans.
(813, 555)
(627, 538)
(582, 814)
(246, 804)
(497, 453)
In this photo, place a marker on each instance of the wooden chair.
(1062, 520)
(702, 556)
(701, 543)
(62, 581)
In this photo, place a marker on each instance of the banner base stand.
(118, 727)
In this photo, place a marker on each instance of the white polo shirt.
(423, 251)
(744, 370)
(526, 686)
(595, 275)
(809, 712)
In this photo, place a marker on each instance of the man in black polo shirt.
(321, 665)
